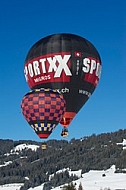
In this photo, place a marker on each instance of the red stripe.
(43, 135)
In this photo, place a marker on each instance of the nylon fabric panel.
(84, 65)
(43, 109)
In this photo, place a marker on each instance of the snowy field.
(15, 186)
(93, 180)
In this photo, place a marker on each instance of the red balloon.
(43, 109)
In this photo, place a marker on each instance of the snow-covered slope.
(98, 180)
(93, 180)
(15, 186)
(21, 147)
(123, 144)
(24, 146)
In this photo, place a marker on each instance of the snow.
(6, 163)
(21, 147)
(37, 188)
(24, 146)
(27, 178)
(77, 173)
(123, 144)
(59, 171)
(93, 180)
(15, 186)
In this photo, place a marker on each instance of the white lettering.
(42, 78)
(30, 70)
(86, 67)
(98, 70)
(26, 73)
(56, 63)
(93, 66)
(59, 64)
(42, 61)
(52, 63)
(84, 92)
(36, 67)
(63, 90)
(62, 65)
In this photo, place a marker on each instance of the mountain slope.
(25, 161)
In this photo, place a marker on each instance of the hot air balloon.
(68, 63)
(43, 109)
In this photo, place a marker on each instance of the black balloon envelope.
(67, 63)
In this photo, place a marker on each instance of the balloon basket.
(44, 146)
(64, 132)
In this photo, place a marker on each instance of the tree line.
(35, 167)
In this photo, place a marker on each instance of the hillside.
(25, 161)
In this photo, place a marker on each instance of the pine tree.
(70, 186)
(80, 187)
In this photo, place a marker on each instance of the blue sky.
(103, 23)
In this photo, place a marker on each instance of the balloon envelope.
(43, 109)
(68, 63)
